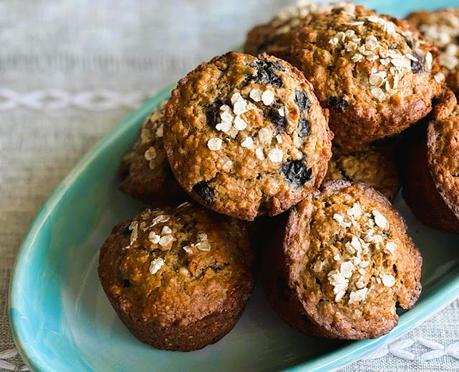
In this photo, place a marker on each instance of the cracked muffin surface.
(246, 136)
(179, 278)
(375, 75)
(431, 168)
(374, 166)
(350, 262)
(145, 171)
(441, 27)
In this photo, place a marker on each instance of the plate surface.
(62, 321)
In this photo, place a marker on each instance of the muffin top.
(443, 151)
(441, 27)
(145, 171)
(374, 166)
(246, 136)
(275, 36)
(374, 74)
(179, 264)
(352, 261)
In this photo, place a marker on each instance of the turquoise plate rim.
(448, 286)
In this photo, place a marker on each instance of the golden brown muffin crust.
(170, 270)
(350, 261)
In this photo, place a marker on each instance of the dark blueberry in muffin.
(337, 103)
(302, 100)
(296, 172)
(205, 192)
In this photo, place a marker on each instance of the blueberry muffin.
(145, 172)
(374, 166)
(245, 136)
(374, 74)
(178, 278)
(441, 27)
(347, 263)
(431, 168)
(275, 36)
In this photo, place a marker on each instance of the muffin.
(145, 172)
(431, 168)
(441, 27)
(275, 36)
(347, 264)
(375, 75)
(178, 278)
(245, 136)
(374, 166)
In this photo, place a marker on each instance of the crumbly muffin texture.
(275, 36)
(374, 166)
(170, 271)
(353, 262)
(145, 171)
(374, 74)
(246, 136)
(441, 27)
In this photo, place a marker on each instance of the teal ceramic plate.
(61, 320)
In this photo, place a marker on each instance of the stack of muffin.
(308, 124)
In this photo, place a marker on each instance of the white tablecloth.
(71, 70)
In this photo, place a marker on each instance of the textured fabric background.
(71, 70)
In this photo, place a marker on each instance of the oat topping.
(267, 97)
(154, 238)
(354, 260)
(445, 36)
(265, 136)
(392, 64)
(214, 144)
(388, 280)
(159, 131)
(188, 249)
(259, 153)
(275, 155)
(340, 219)
(134, 228)
(355, 211)
(150, 154)
(156, 265)
(184, 271)
(380, 220)
(232, 123)
(358, 296)
(255, 94)
(202, 244)
(183, 205)
(248, 143)
(439, 77)
(166, 230)
(289, 17)
(391, 247)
